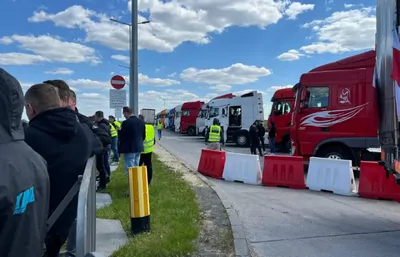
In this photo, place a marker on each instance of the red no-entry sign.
(117, 82)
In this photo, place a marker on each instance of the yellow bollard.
(139, 200)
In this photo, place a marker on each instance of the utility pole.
(133, 74)
(164, 101)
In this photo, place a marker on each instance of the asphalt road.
(281, 222)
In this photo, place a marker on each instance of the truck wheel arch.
(341, 148)
(244, 133)
(191, 128)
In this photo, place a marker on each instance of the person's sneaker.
(100, 188)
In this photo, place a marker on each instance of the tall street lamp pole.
(133, 49)
(133, 85)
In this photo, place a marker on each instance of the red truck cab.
(190, 111)
(335, 112)
(281, 115)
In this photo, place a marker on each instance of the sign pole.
(117, 95)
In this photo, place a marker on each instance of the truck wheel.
(241, 139)
(335, 152)
(191, 131)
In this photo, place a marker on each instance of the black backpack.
(103, 132)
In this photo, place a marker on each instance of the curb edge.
(240, 242)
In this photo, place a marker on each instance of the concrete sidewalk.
(110, 235)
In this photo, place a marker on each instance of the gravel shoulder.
(216, 237)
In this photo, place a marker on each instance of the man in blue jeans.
(132, 135)
(115, 127)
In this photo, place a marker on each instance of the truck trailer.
(190, 112)
(236, 115)
(177, 118)
(201, 119)
(149, 115)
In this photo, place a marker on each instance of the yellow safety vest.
(159, 125)
(114, 132)
(148, 143)
(214, 134)
(117, 124)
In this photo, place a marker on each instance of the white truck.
(201, 120)
(177, 118)
(166, 120)
(236, 115)
(149, 115)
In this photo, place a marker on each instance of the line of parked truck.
(331, 112)
(342, 110)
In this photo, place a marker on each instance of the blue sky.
(191, 50)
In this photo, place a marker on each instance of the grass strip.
(174, 214)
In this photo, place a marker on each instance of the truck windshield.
(281, 108)
(213, 112)
(202, 114)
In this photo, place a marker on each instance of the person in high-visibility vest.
(148, 146)
(160, 126)
(215, 136)
(115, 127)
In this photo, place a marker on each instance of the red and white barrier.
(375, 183)
(211, 163)
(283, 171)
(332, 175)
(242, 168)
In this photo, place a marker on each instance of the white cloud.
(21, 59)
(122, 58)
(296, 9)
(174, 22)
(47, 49)
(60, 71)
(89, 84)
(236, 74)
(221, 88)
(104, 85)
(343, 31)
(348, 5)
(146, 80)
(291, 55)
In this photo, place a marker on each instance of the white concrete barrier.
(332, 175)
(242, 168)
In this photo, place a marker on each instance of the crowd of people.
(215, 137)
(41, 161)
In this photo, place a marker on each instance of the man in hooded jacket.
(66, 145)
(24, 183)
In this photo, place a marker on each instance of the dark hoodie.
(24, 183)
(102, 129)
(66, 145)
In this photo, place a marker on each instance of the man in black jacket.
(254, 139)
(132, 135)
(66, 145)
(24, 183)
(261, 134)
(102, 160)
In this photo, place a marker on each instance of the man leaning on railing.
(65, 144)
